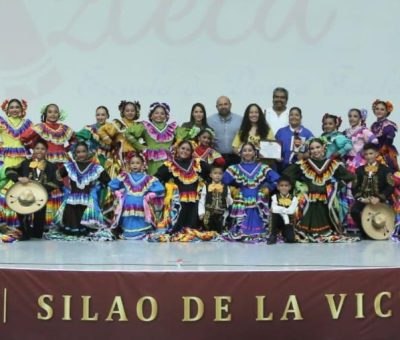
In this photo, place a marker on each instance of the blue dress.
(250, 210)
(141, 193)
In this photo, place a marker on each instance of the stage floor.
(205, 256)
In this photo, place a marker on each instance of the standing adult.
(278, 115)
(225, 124)
(293, 138)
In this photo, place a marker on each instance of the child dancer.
(283, 207)
(35, 169)
(12, 151)
(360, 135)
(320, 217)
(215, 200)
(374, 183)
(250, 212)
(113, 135)
(80, 212)
(338, 145)
(140, 195)
(204, 148)
(186, 172)
(385, 130)
(90, 135)
(158, 136)
(59, 138)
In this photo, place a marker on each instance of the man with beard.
(225, 124)
(278, 115)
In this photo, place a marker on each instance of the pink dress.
(359, 135)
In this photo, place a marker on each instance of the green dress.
(154, 140)
(318, 211)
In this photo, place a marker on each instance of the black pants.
(355, 212)
(188, 217)
(277, 225)
(213, 222)
(33, 225)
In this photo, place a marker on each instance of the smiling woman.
(293, 138)
(254, 128)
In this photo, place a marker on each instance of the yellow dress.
(254, 139)
(112, 134)
(12, 153)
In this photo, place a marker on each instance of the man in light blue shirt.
(225, 124)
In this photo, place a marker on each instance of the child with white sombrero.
(34, 179)
(372, 192)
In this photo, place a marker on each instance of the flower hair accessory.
(62, 114)
(155, 105)
(388, 104)
(322, 140)
(24, 106)
(131, 154)
(363, 115)
(337, 119)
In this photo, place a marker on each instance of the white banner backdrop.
(331, 55)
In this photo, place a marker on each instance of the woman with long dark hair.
(254, 129)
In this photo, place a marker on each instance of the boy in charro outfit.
(374, 183)
(36, 169)
(283, 207)
(215, 199)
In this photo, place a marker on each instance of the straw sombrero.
(378, 221)
(27, 198)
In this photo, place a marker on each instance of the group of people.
(204, 180)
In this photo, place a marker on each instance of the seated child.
(283, 207)
(374, 183)
(215, 199)
(35, 169)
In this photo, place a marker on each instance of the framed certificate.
(271, 149)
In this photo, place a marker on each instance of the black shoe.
(271, 239)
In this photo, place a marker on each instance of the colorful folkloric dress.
(359, 136)
(250, 212)
(189, 131)
(186, 175)
(385, 130)
(158, 139)
(59, 138)
(90, 135)
(396, 205)
(102, 152)
(80, 212)
(141, 192)
(12, 153)
(209, 155)
(318, 211)
(113, 135)
(338, 145)
(337, 142)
